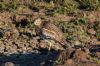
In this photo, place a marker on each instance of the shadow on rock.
(37, 58)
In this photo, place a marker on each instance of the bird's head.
(38, 22)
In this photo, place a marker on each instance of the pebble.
(92, 31)
(8, 64)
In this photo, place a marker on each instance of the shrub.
(66, 6)
(9, 5)
(89, 4)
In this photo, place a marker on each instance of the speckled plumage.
(48, 30)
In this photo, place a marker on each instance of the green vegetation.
(76, 31)
(60, 6)
(2, 6)
(97, 28)
(9, 6)
(14, 4)
(95, 59)
(67, 6)
(56, 63)
(89, 4)
(80, 21)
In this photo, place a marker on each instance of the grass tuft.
(89, 4)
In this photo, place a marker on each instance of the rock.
(81, 55)
(43, 44)
(97, 54)
(92, 31)
(65, 54)
(33, 42)
(8, 64)
(86, 50)
(69, 62)
(77, 43)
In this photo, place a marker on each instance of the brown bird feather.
(48, 30)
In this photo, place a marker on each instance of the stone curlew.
(49, 31)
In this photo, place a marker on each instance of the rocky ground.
(20, 45)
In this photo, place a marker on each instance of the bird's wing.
(52, 31)
(48, 33)
(55, 33)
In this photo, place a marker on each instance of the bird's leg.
(50, 43)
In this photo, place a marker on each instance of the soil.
(20, 46)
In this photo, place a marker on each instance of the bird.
(49, 31)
